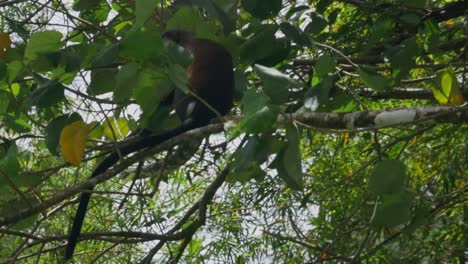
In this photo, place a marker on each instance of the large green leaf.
(248, 160)
(259, 114)
(106, 56)
(325, 64)
(191, 19)
(262, 9)
(389, 176)
(142, 46)
(9, 167)
(102, 81)
(276, 83)
(151, 87)
(374, 80)
(47, 94)
(393, 210)
(125, 81)
(41, 42)
(260, 45)
(291, 171)
(144, 10)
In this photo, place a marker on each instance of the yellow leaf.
(457, 99)
(346, 138)
(5, 43)
(446, 88)
(72, 142)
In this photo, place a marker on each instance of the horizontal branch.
(12, 2)
(366, 120)
(354, 121)
(402, 93)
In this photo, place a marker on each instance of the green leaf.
(318, 94)
(53, 129)
(280, 52)
(142, 46)
(259, 114)
(102, 81)
(393, 210)
(374, 80)
(411, 19)
(262, 9)
(144, 10)
(294, 33)
(41, 42)
(83, 5)
(415, 3)
(125, 81)
(176, 54)
(402, 57)
(446, 88)
(325, 65)
(106, 56)
(389, 176)
(316, 25)
(19, 124)
(3, 70)
(95, 11)
(5, 99)
(276, 84)
(246, 165)
(71, 61)
(224, 11)
(96, 131)
(190, 19)
(178, 76)
(13, 206)
(240, 84)
(119, 126)
(14, 69)
(260, 45)
(152, 86)
(49, 93)
(292, 162)
(9, 166)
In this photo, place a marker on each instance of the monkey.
(211, 82)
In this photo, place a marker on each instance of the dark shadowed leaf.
(393, 210)
(49, 93)
(389, 177)
(102, 81)
(262, 9)
(374, 80)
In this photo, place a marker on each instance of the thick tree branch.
(330, 122)
(88, 184)
(368, 120)
(402, 93)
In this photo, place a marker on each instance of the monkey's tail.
(109, 161)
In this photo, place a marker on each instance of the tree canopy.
(347, 143)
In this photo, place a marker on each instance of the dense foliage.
(348, 142)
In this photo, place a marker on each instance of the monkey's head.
(179, 36)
